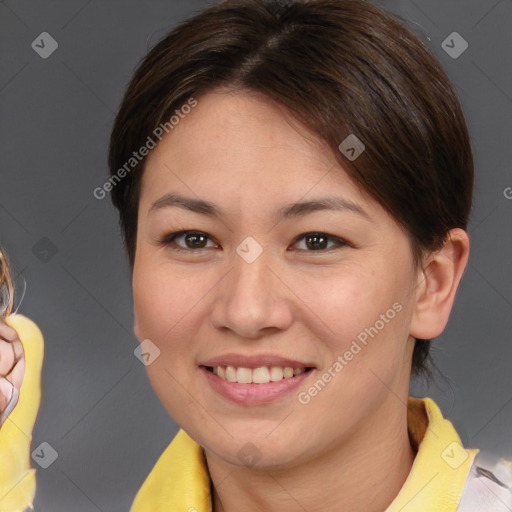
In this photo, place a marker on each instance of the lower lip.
(253, 394)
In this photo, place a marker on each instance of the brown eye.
(317, 242)
(193, 240)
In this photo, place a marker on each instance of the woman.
(294, 181)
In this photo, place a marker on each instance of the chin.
(256, 454)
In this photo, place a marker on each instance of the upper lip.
(256, 361)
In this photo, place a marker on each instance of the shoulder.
(488, 486)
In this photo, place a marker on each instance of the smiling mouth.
(260, 375)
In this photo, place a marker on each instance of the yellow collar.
(180, 479)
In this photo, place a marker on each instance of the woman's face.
(256, 290)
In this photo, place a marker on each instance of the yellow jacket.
(180, 476)
(445, 477)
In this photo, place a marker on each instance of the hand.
(12, 369)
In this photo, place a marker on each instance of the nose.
(253, 300)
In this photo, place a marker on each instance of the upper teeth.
(260, 375)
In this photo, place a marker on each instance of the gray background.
(98, 410)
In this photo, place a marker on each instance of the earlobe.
(437, 285)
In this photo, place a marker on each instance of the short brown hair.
(341, 67)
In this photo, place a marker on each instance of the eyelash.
(169, 240)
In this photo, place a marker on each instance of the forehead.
(227, 125)
(243, 148)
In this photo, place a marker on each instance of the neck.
(363, 472)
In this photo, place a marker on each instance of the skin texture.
(348, 448)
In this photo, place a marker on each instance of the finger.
(7, 332)
(12, 395)
(7, 357)
(17, 348)
(17, 373)
(5, 393)
(11, 336)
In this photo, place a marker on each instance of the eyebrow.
(300, 209)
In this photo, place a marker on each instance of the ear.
(437, 285)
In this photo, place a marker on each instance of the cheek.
(346, 302)
(362, 313)
(162, 299)
(364, 329)
(164, 314)
(169, 310)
